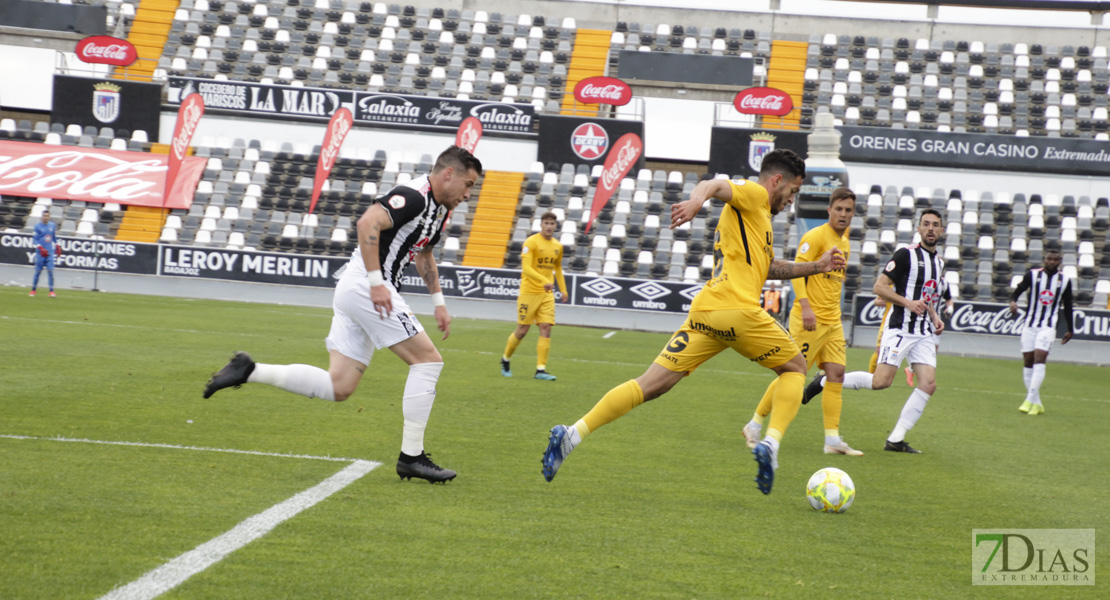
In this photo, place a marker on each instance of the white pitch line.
(177, 570)
(608, 335)
(177, 447)
(125, 326)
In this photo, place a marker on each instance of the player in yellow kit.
(726, 313)
(541, 262)
(815, 322)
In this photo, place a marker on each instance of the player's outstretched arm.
(426, 266)
(684, 212)
(833, 260)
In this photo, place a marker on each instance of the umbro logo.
(649, 290)
(690, 292)
(601, 287)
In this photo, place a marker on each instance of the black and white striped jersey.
(917, 275)
(1047, 293)
(417, 224)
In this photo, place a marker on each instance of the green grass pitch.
(659, 504)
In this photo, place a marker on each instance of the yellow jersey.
(541, 263)
(743, 248)
(823, 289)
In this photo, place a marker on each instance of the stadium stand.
(958, 85)
(414, 50)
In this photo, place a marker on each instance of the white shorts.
(1037, 338)
(914, 349)
(357, 330)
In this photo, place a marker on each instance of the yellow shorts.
(752, 332)
(535, 308)
(823, 345)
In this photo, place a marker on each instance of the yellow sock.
(543, 349)
(511, 345)
(831, 402)
(764, 407)
(874, 364)
(614, 405)
(787, 400)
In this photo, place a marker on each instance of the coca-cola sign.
(94, 175)
(763, 101)
(989, 318)
(336, 132)
(469, 133)
(603, 90)
(107, 50)
(188, 118)
(625, 154)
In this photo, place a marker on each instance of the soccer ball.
(830, 490)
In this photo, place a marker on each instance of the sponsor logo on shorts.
(767, 354)
(728, 335)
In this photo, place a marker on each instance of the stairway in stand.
(493, 220)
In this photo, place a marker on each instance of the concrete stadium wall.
(952, 344)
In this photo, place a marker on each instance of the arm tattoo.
(372, 236)
(781, 269)
(426, 266)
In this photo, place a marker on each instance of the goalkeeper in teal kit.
(46, 247)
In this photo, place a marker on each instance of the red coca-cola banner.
(470, 131)
(188, 117)
(603, 90)
(95, 175)
(621, 159)
(107, 50)
(763, 101)
(338, 127)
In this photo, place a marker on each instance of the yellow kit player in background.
(541, 262)
(726, 313)
(815, 322)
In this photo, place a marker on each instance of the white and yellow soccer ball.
(830, 490)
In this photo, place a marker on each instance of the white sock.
(911, 412)
(858, 380)
(575, 437)
(773, 443)
(416, 405)
(305, 380)
(832, 440)
(1035, 381)
(755, 426)
(1027, 375)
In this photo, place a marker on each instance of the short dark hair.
(459, 158)
(930, 211)
(841, 193)
(786, 162)
(549, 215)
(1052, 249)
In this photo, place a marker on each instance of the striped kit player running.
(912, 283)
(1049, 293)
(399, 228)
